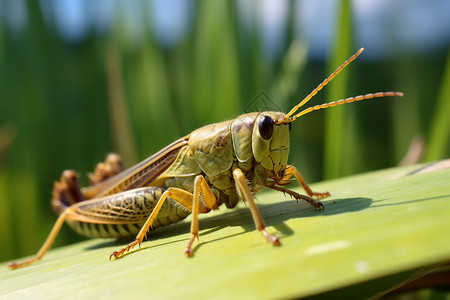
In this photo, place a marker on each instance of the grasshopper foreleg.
(291, 170)
(305, 186)
(246, 194)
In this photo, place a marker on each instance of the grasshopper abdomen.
(129, 209)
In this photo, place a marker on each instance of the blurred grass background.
(65, 104)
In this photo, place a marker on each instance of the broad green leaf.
(377, 230)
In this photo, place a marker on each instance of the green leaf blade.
(383, 225)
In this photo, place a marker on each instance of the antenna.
(289, 118)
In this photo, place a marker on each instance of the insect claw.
(12, 265)
(271, 238)
(115, 254)
(188, 252)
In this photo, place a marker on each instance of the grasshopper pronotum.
(217, 164)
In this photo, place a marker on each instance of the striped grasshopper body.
(217, 164)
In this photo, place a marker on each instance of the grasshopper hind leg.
(190, 201)
(113, 165)
(66, 192)
(173, 193)
(47, 244)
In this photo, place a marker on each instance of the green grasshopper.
(217, 164)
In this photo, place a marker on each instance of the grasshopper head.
(270, 143)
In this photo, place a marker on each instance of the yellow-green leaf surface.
(377, 231)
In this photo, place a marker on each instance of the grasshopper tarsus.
(271, 238)
(309, 199)
(188, 252)
(316, 204)
(319, 206)
(118, 254)
(13, 265)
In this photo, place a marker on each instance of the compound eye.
(290, 126)
(266, 127)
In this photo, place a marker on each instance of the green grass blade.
(216, 70)
(337, 128)
(439, 134)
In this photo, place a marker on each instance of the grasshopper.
(217, 164)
